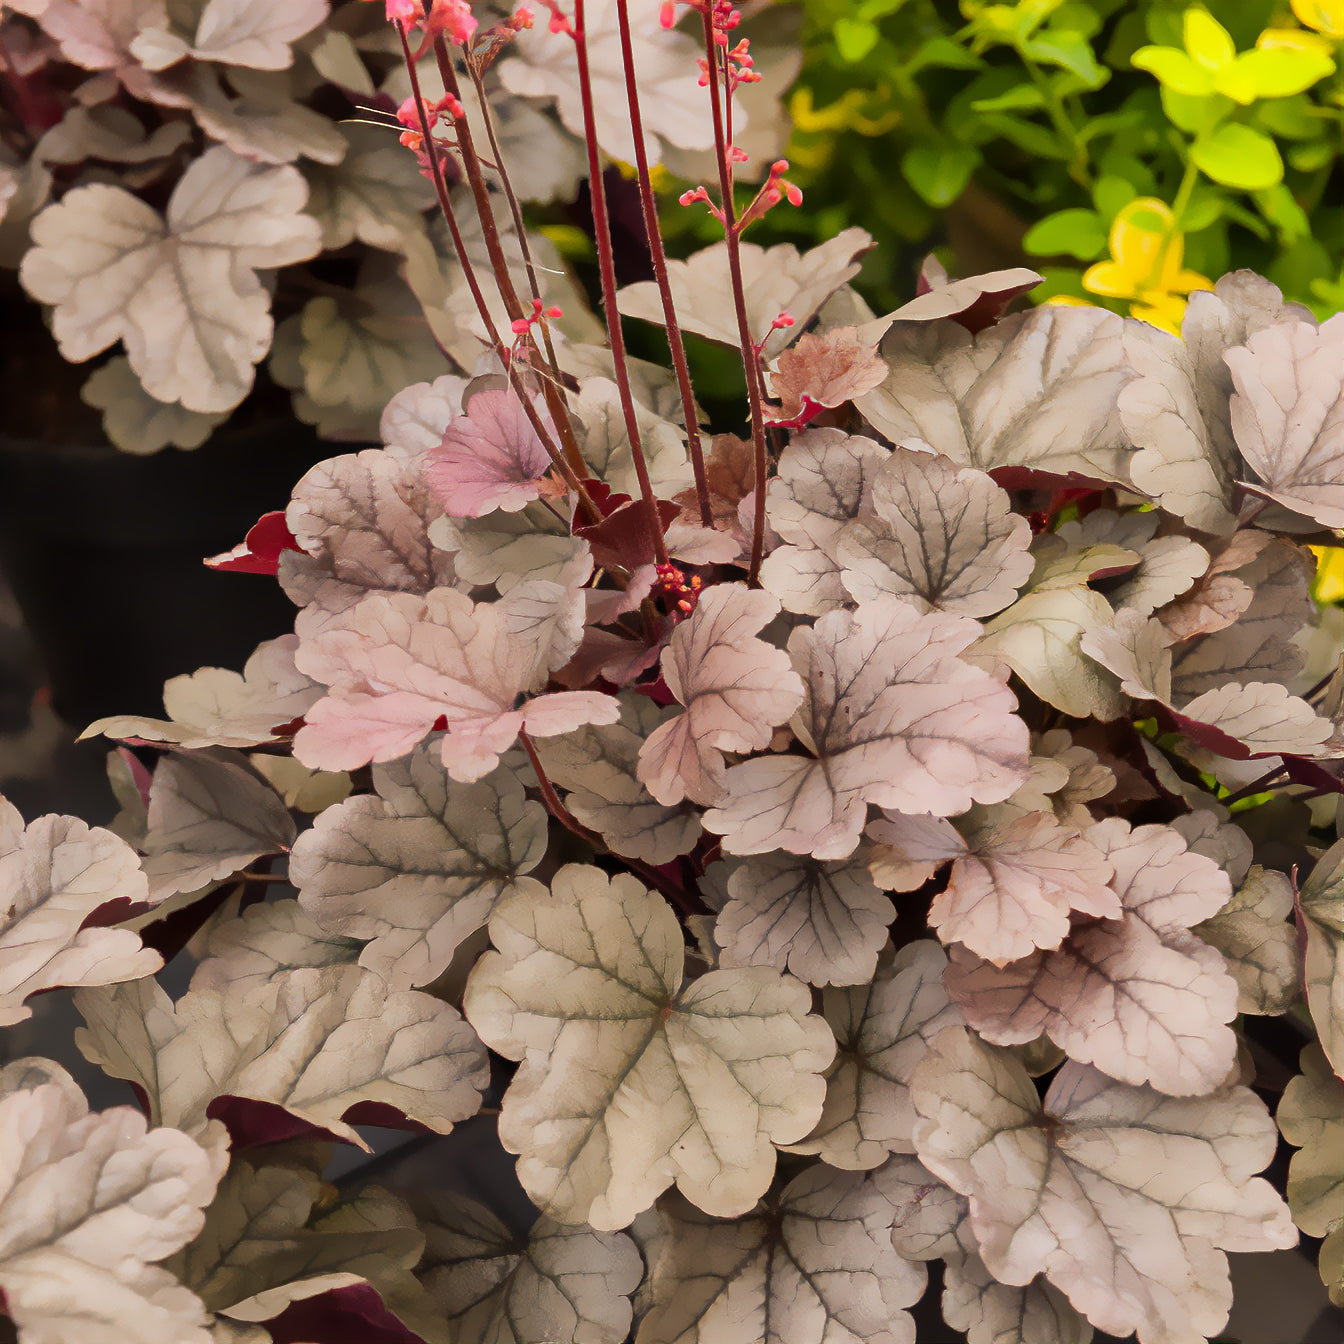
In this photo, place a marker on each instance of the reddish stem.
(659, 259)
(749, 363)
(556, 807)
(607, 267)
(572, 478)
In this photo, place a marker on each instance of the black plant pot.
(103, 551)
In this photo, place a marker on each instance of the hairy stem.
(471, 167)
(659, 259)
(607, 267)
(515, 211)
(750, 364)
(573, 479)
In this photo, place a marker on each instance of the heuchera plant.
(191, 189)
(852, 845)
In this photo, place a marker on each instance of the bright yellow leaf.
(1329, 584)
(1322, 16)
(1145, 264)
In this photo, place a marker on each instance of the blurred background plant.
(1130, 149)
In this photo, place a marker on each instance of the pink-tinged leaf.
(1176, 412)
(1123, 1198)
(1288, 415)
(182, 294)
(258, 552)
(656, 1078)
(1035, 392)
(54, 875)
(316, 1041)
(91, 1203)
(824, 922)
(1017, 886)
(942, 537)
(556, 1282)
(829, 369)
(361, 522)
(209, 817)
(215, 707)
(419, 866)
(488, 459)
(730, 473)
(883, 1030)
(891, 716)
(824, 481)
(1139, 997)
(440, 659)
(812, 1262)
(975, 303)
(910, 849)
(736, 688)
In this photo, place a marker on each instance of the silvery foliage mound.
(199, 186)
(896, 899)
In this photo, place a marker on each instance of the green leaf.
(1023, 98)
(1027, 135)
(1195, 115)
(1110, 192)
(1309, 157)
(1205, 208)
(1174, 70)
(944, 54)
(1277, 72)
(1069, 51)
(1290, 118)
(1207, 41)
(939, 172)
(1238, 156)
(1278, 205)
(854, 39)
(1074, 233)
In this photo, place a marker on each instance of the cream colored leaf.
(417, 867)
(1321, 902)
(1121, 1197)
(262, 944)
(630, 1081)
(776, 280)
(362, 520)
(214, 707)
(375, 193)
(1258, 942)
(1311, 1117)
(598, 765)
(883, 1030)
(54, 874)
(1040, 636)
(88, 1204)
(316, 1041)
(135, 421)
(556, 1282)
(813, 1262)
(181, 293)
(209, 817)
(1037, 391)
(824, 922)
(942, 537)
